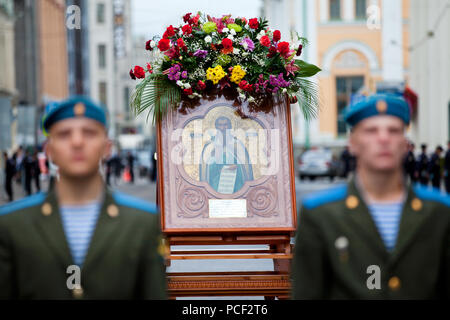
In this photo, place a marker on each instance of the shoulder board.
(24, 203)
(431, 194)
(133, 202)
(326, 196)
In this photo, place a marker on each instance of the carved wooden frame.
(183, 201)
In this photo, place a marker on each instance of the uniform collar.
(49, 223)
(414, 213)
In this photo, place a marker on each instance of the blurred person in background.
(410, 164)
(447, 169)
(435, 168)
(423, 165)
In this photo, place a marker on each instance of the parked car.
(317, 163)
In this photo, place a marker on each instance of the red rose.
(299, 50)
(276, 36)
(265, 41)
(244, 85)
(194, 20)
(139, 72)
(147, 45)
(187, 92)
(170, 31)
(283, 48)
(132, 74)
(227, 43)
(187, 17)
(272, 52)
(180, 43)
(201, 85)
(187, 29)
(253, 23)
(164, 44)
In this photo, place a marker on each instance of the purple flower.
(248, 44)
(174, 72)
(184, 74)
(201, 53)
(278, 82)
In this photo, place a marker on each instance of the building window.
(335, 9)
(360, 9)
(345, 88)
(102, 56)
(100, 13)
(102, 93)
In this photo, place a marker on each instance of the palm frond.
(156, 95)
(308, 98)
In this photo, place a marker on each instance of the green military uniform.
(337, 241)
(124, 259)
(339, 251)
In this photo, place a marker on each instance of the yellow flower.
(237, 74)
(215, 74)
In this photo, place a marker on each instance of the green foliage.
(156, 95)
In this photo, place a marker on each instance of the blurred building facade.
(41, 67)
(7, 81)
(430, 70)
(356, 43)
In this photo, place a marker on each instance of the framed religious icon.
(220, 90)
(225, 167)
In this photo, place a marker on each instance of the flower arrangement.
(207, 52)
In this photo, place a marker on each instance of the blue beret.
(77, 106)
(375, 105)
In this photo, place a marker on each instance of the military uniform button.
(78, 293)
(341, 243)
(351, 202)
(112, 211)
(394, 283)
(416, 204)
(46, 209)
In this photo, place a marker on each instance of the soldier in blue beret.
(376, 237)
(80, 240)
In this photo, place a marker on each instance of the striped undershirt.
(387, 219)
(79, 224)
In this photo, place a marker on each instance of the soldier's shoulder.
(128, 201)
(324, 197)
(433, 195)
(22, 204)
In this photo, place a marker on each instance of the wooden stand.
(270, 284)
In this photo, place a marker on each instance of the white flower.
(242, 96)
(191, 96)
(251, 99)
(245, 54)
(292, 47)
(262, 32)
(236, 50)
(259, 36)
(187, 86)
(225, 30)
(231, 37)
(245, 45)
(208, 39)
(179, 83)
(233, 32)
(284, 90)
(152, 44)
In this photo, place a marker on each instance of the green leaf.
(306, 69)
(156, 95)
(308, 98)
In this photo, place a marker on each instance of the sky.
(152, 17)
